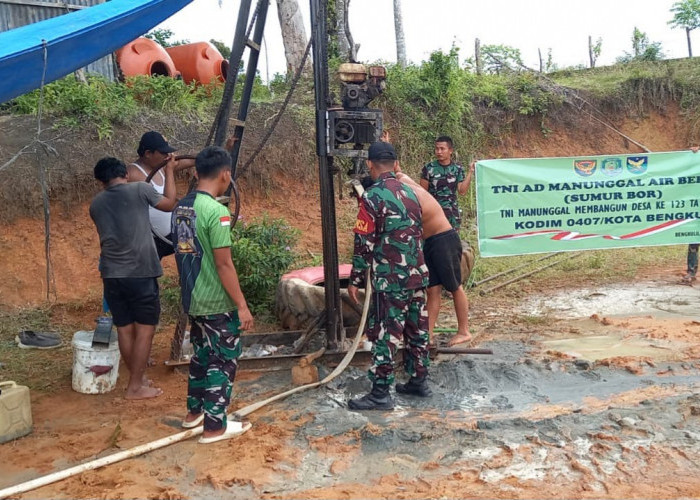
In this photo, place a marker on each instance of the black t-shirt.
(120, 213)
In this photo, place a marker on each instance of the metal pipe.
(518, 278)
(497, 275)
(334, 333)
(463, 350)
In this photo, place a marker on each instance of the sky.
(562, 25)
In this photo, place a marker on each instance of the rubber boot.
(379, 398)
(415, 386)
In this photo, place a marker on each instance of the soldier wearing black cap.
(388, 235)
(153, 150)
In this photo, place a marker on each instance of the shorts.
(162, 247)
(133, 300)
(443, 256)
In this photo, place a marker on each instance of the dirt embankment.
(281, 183)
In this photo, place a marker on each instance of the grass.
(591, 268)
(41, 370)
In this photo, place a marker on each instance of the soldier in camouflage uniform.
(211, 296)
(388, 237)
(444, 178)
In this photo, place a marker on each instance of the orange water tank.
(200, 62)
(143, 56)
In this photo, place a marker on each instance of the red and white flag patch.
(225, 220)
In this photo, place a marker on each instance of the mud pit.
(601, 400)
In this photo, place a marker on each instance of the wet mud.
(597, 402)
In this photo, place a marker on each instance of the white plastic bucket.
(95, 369)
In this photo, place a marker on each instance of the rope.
(283, 108)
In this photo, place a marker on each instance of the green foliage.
(223, 49)
(442, 97)
(163, 36)
(98, 101)
(596, 50)
(642, 49)
(499, 58)
(686, 14)
(104, 103)
(262, 252)
(163, 93)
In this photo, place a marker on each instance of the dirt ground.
(592, 391)
(599, 406)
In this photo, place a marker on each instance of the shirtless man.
(443, 253)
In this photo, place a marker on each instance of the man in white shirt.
(153, 150)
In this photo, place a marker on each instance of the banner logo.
(637, 164)
(611, 166)
(585, 168)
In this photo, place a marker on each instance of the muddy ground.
(590, 392)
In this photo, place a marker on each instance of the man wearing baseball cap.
(388, 234)
(153, 150)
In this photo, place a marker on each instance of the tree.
(400, 39)
(347, 48)
(223, 49)
(550, 65)
(594, 50)
(293, 33)
(163, 36)
(686, 15)
(498, 58)
(642, 49)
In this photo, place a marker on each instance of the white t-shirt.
(160, 221)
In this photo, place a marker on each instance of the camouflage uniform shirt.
(388, 235)
(442, 184)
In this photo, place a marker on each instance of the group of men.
(408, 236)
(197, 230)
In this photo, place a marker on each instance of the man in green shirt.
(443, 178)
(211, 296)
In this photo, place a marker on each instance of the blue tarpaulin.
(73, 40)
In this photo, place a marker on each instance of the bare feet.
(144, 393)
(151, 361)
(460, 338)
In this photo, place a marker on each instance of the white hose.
(180, 436)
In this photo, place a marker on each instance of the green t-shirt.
(200, 224)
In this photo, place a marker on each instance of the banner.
(584, 203)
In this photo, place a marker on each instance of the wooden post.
(477, 55)
(539, 52)
(590, 51)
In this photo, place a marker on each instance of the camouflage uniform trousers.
(397, 316)
(215, 340)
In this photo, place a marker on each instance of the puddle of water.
(598, 347)
(659, 299)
